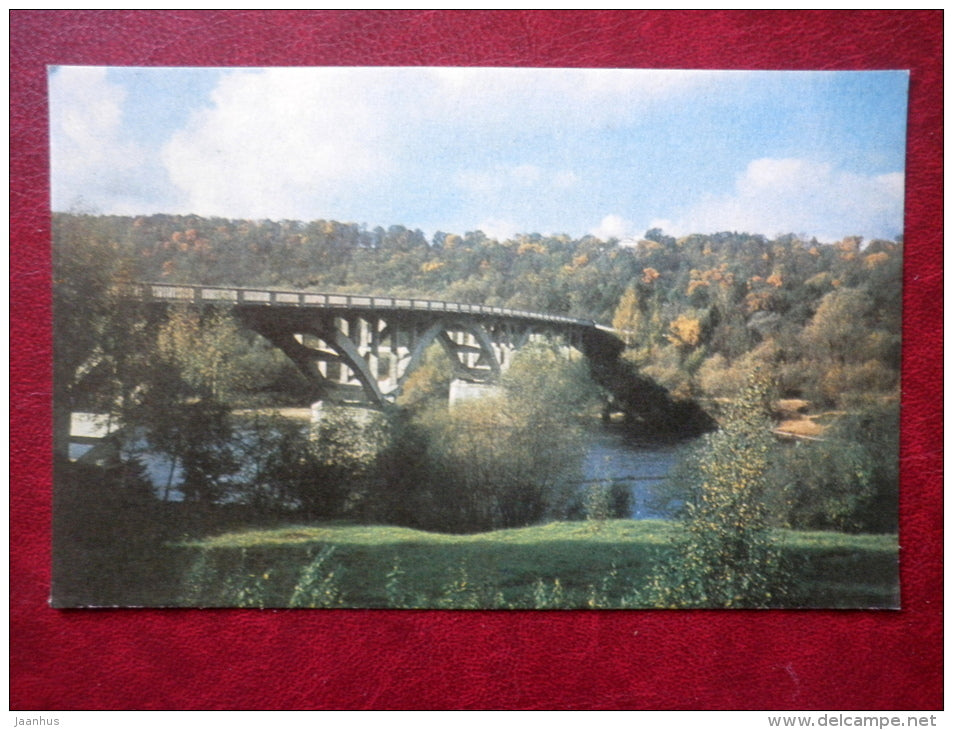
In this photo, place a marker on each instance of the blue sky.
(506, 151)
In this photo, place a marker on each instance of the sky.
(611, 153)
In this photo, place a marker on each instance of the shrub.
(245, 587)
(498, 461)
(596, 504)
(724, 555)
(347, 445)
(846, 482)
(430, 382)
(462, 590)
(285, 468)
(601, 501)
(493, 466)
(548, 597)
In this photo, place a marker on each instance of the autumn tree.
(720, 295)
(837, 332)
(724, 555)
(685, 332)
(627, 319)
(430, 381)
(846, 351)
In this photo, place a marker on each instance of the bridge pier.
(463, 390)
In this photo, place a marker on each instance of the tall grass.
(556, 566)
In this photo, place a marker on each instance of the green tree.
(347, 445)
(197, 434)
(98, 332)
(206, 351)
(281, 469)
(549, 385)
(180, 403)
(838, 331)
(430, 382)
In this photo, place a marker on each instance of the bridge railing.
(270, 297)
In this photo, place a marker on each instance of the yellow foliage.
(649, 275)
(530, 247)
(429, 266)
(685, 331)
(725, 556)
(628, 318)
(851, 244)
(757, 301)
(876, 259)
(801, 427)
(694, 285)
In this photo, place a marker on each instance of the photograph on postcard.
(476, 338)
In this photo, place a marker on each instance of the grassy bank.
(558, 565)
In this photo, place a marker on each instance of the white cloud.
(498, 229)
(88, 151)
(526, 175)
(775, 196)
(277, 143)
(482, 182)
(614, 226)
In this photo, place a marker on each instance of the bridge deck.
(272, 297)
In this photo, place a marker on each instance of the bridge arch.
(477, 362)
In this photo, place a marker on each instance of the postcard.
(474, 338)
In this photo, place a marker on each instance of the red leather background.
(192, 659)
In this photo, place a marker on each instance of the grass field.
(557, 565)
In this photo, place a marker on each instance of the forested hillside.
(699, 312)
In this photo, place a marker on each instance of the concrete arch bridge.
(361, 349)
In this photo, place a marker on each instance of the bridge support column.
(462, 390)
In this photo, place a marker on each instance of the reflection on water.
(614, 457)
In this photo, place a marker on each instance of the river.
(613, 456)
